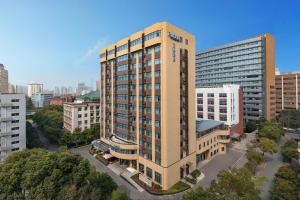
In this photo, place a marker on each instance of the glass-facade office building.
(249, 63)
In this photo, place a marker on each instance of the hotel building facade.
(147, 102)
(249, 63)
(288, 91)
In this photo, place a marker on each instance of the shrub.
(196, 173)
(191, 180)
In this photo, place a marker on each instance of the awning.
(100, 146)
(107, 156)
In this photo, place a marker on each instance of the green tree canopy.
(254, 159)
(286, 184)
(40, 174)
(290, 150)
(268, 145)
(270, 130)
(118, 195)
(236, 183)
(289, 118)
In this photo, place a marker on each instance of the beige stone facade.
(147, 88)
(80, 115)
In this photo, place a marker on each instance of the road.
(47, 144)
(274, 162)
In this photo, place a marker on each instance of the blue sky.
(56, 42)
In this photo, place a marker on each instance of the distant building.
(56, 91)
(59, 100)
(34, 88)
(11, 88)
(221, 104)
(63, 91)
(70, 90)
(40, 100)
(21, 89)
(97, 85)
(81, 87)
(13, 124)
(212, 139)
(3, 79)
(287, 91)
(249, 63)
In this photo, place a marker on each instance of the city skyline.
(64, 47)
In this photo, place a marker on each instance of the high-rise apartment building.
(288, 91)
(148, 103)
(3, 79)
(34, 88)
(13, 124)
(249, 63)
(223, 104)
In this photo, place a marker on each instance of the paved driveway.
(123, 185)
(233, 158)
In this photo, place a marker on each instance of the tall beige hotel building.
(147, 102)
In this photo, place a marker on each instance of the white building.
(13, 124)
(80, 114)
(221, 104)
(34, 88)
(40, 100)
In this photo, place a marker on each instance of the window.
(15, 149)
(15, 114)
(15, 135)
(15, 121)
(15, 100)
(110, 52)
(157, 149)
(79, 109)
(210, 95)
(15, 142)
(136, 42)
(152, 35)
(157, 177)
(157, 49)
(122, 68)
(15, 128)
(122, 47)
(157, 61)
(157, 86)
(157, 111)
(102, 55)
(157, 74)
(15, 107)
(149, 172)
(79, 115)
(199, 94)
(222, 95)
(141, 168)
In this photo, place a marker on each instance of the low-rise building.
(59, 100)
(81, 114)
(12, 123)
(40, 100)
(212, 139)
(223, 104)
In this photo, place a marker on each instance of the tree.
(32, 138)
(254, 159)
(289, 150)
(39, 174)
(236, 183)
(269, 130)
(286, 184)
(289, 118)
(268, 145)
(118, 195)
(203, 194)
(250, 127)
